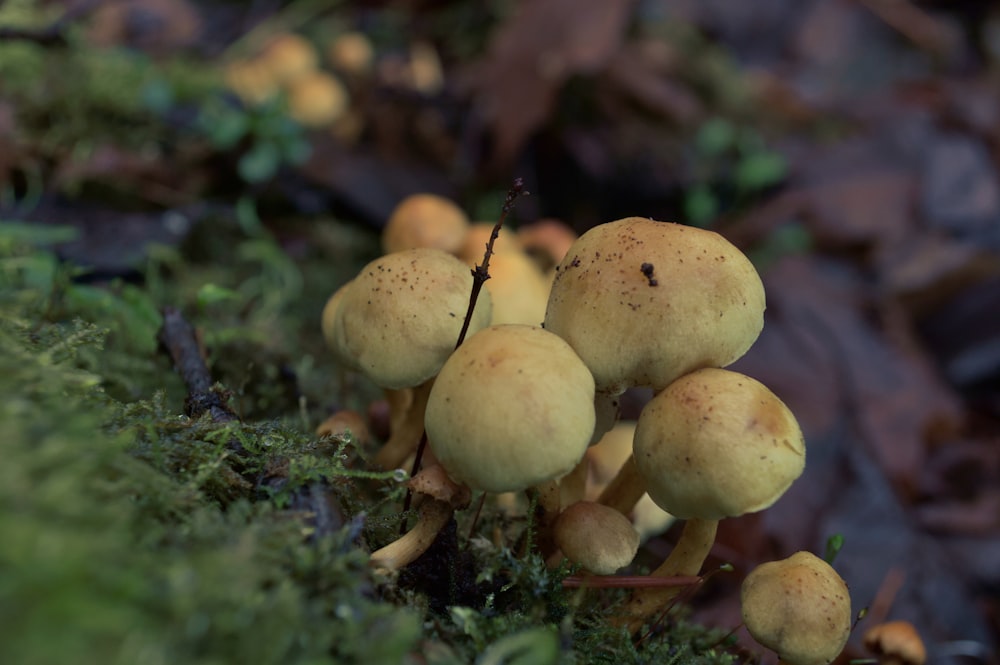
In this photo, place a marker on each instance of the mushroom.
(478, 236)
(518, 289)
(643, 302)
(547, 240)
(714, 444)
(511, 408)
(425, 220)
(441, 497)
(317, 99)
(288, 57)
(351, 53)
(896, 643)
(798, 607)
(397, 323)
(606, 458)
(346, 423)
(600, 539)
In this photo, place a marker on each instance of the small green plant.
(265, 136)
(731, 165)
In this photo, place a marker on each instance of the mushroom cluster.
(521, 403)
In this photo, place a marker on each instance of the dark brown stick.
(179, 339)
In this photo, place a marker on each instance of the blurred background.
(849, 147)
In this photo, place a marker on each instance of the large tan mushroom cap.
(597, 537)
(643, 302)
(511, 408)
(717, 444)
(399, 319)
(425, 220)
(799, 607)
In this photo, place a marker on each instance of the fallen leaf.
(543, 44)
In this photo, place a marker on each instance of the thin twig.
(178, 337)
(629, 581)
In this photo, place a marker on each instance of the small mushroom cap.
(399, 319)
(799, 607)
(434, 482)
(316, 99)
(717, 444)
(478, 235)
(346, 422)
(519, 290)
(351, 52)
(425, 220)
(288, 57)
(597, 537)
(512, 407)
(549, 238)
(897, 640)
(251, 81)
(643, 302)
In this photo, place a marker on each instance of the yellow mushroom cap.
(643, 302)
(549, 237)
(518, 288)
(898, 641)
(399, 319)
(351, 52)
(511, 408)
(250, 80)
(799, 607)
(316, 99)
(716, 444)
(598, 538)
(425, 220)
(477, 235)
(288, 57)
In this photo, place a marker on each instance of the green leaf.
(534, 646)
(33, 233)
(759, 170)
(260, 163)
(700, 205)
(715, 137)
(209, 294)
(833, 546)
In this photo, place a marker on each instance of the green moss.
(136, 534)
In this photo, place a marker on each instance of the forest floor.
(149, 166)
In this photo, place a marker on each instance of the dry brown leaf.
(533, 54)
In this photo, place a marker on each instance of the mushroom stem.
(573, 486)
(406, 434)
(625, 489)
(434, 515)
(399, 401)
(685, 559)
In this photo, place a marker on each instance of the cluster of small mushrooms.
(563, 327)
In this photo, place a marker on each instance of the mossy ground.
(135, 534)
